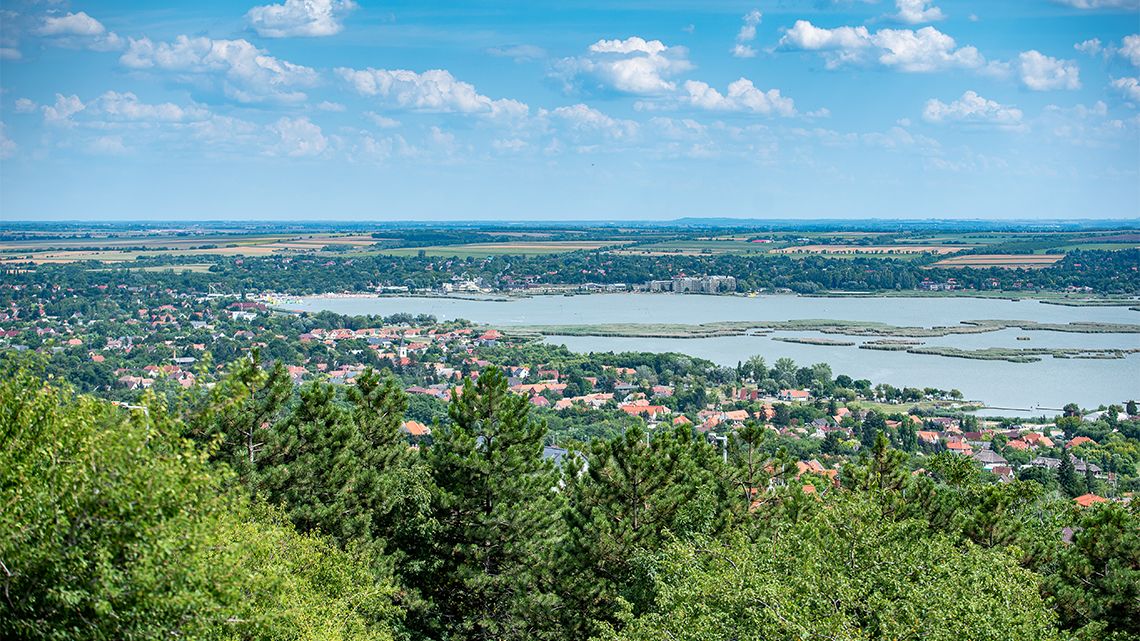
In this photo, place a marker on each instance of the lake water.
(1048, 383)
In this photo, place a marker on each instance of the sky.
(584, 110)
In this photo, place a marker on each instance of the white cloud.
(1091, 46)
(383, 122)
(1128, 87)
(747, 31)
(298, 137)
(107, 146)
(923, 50)
(64, 108)
(1043, 73)
(805, 35)
(127, 106)
(1101, 4)
(434, 90)
(743, 51)
(248, 73)
(918, 11)
(8, 146)
(79, 30)
(633, 65)
(1089, 126)
(742, 95)
(10, 53)
(326, 105)
(746, 34)
(115, 107)
(632, 44)
(299, 18)
(25, 106)
(509, 145)
(582, 117)
(898, 138)
(972, 108)
(1130, 49)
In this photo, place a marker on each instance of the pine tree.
(386, 478)
(872, 426)
(1067, 476)
(496, 508)
(748, 463)
(635, 493)
(908, 436)
(241, 411)
(309, 462)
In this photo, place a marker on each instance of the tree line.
(246, 510)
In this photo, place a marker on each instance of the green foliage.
(634, 493)
(116, 528)
(238, 412)
(486, 567)
(1071, 484)
(1095, 582)
(848, 571)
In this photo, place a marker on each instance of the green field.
(702, 246)
(480, 250)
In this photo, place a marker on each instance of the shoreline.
(1045, 298)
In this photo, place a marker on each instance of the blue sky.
(626, 109)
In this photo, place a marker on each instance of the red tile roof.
(1086, 500)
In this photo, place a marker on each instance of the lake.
(1048, 383)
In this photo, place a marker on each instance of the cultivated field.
(698, 246)
(1009, 261)
(122, 249)
(872, 249)
(519, 248)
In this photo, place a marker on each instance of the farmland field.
(698, 246)
(871, 249)
(1010, 261)
(118, 249)
(531, 248)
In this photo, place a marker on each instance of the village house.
(794, 395)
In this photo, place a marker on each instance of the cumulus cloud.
(634, 66)
(923, 50)
(1130, 49)
(79, 30)
(8, 146)
(115, 107)
(1091, 46)
(747, 34)
(248, 74)
(107, 146)
(383, 122)
(127, 107)
(298, 137)
(1128, 87)
(918, 11)
(974, 109)
(25, 106)
(61, 111)
(898, 138)
(741, 96)
(299, 18)
(582, 117)
(434, 90)
(1043, 73)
